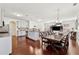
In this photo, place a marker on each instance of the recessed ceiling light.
(39, 20)
(16, 14)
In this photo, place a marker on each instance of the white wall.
(67, 23)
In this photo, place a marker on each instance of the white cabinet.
(21, 33)
(33, 35)
(5, 45)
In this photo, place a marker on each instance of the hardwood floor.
(73, 48)
(25, 46)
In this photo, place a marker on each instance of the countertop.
(4, 34)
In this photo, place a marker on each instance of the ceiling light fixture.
(58, 22)
(39, 20)
(19, 15)
(57, 19)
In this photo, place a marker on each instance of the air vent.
(74, 4)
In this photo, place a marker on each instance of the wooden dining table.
(54, 42)
(53, 38)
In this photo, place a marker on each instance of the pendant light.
(57, 18)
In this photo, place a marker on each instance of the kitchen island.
(34, 35)
(5, 43)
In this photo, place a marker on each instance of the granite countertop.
(4, 34)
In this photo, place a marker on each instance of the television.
(56, 28)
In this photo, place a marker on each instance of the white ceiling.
(43, 11)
